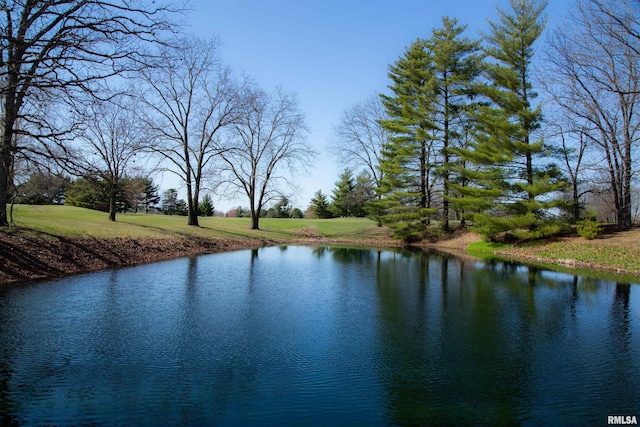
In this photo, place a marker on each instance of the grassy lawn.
(73, 222)
(616, 252)
(608, 256)
(483, 248)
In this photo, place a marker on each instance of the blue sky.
(331, 53)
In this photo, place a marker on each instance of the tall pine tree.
(511, 185)
(407, 159)
(456, 65)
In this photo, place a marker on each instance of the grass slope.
(74, 222)
(615, 252)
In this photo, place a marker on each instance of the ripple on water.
(373, 339)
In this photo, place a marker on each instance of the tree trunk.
(193, 215)
(255, 212)
(5, 167)
(624, 216)
(576, 202)
(10, 109)
(423, 176)
(627, 220)
(192, 211)
(445, 152)
(113, 193)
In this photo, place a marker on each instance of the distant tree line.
(281, 209)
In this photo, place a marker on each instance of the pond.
(320, 336)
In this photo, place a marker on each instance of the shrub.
(544, 230)
(588, 229)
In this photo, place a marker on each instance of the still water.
(320, 336)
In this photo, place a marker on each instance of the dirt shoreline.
(27, 258)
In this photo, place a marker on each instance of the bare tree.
(53, 49)
(595, 77)
(264, 150)
(134, 192)
(109, 141)
(570, 145)
(358, 137)
(190, 98)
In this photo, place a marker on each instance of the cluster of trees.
(96, 88)
(135, 194)
(351, 197)
(42, 188)
(459, 134)
(132, 194)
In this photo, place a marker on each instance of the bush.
(544, 230)
(588, 229)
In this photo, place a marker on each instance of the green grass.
(483, 248)
(74, 222)
(617, 262)
(608, 256)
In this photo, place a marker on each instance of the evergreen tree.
(342, 199)
(320, 205)
(93, 192)
(456, 64)
(461, 168)
(282, 209)
(182, 208)
(506, 178)
(205, 207)
(84, 193)
(408, 158)
(43, 188)
(151, 196)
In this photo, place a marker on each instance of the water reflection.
(320, 336)
(489, 338)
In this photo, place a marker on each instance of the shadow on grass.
(69, 251)
(220, 233)
(36, 255)
(19, 263)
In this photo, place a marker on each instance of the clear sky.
(332, 53)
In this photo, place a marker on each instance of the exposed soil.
(24, 257)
